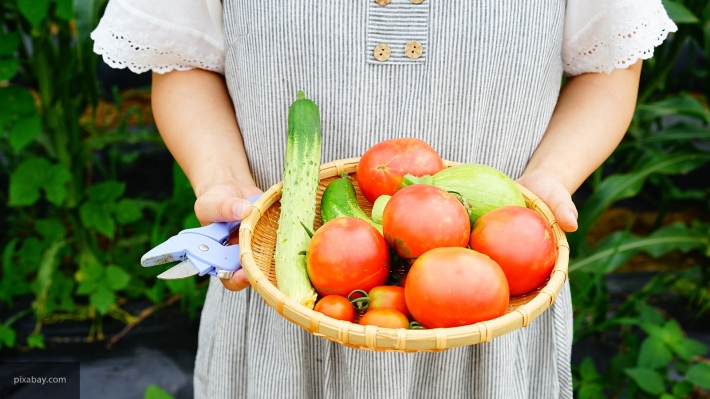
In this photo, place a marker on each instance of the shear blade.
(169, 251)
(183, 269)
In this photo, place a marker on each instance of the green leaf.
(25, 182)
(50, 229)
(587, 370)
(60, 296)
(675, 237)
(699, 375)
(34, 174)
(7, 336)
(682, 389)
(648, 314)
(673, 332)
(16, 102)
(24, 130)
(616, 249)
(620, 186)
(648, 380)
(36, 341)
(95, 215)
(116, 278)
(45, 275)
(679, 14)
(688, 348)
(107, 191)
(127, 211)
(93, 272)
(592, 391)
(8, 68)
(155, 293)
(9, 42)
(55, 182)
(31, 252)
(654, 353)
(86, 287)
(65, 9)
(87, 17)
(610, 253)
(156, 392)
(666, 396)
(35, 11)
(102, 299)
(683, 104)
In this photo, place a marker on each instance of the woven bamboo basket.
(257, 238)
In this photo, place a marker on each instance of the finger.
(217, 208)
(560, 201)
(238, 281)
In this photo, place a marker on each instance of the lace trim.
(145, 44)
(603, 46)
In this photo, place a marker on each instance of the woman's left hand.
(551, 190)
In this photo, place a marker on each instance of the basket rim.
(399, 340)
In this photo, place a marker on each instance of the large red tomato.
(388, 297)
(346, 254)
(450, 287)
(520, 241)
(382, 167)
(337, 307)
(420, 217)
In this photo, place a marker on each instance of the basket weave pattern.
(257, 237)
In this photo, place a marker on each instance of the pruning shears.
(203, 250)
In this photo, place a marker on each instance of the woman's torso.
(482, 91)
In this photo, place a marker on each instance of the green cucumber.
(298, 200)
(339, 200)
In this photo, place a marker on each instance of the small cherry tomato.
(387, 318)
(388, 297)
(337, 307)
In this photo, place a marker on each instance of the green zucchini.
(298, 200)
(339, 200)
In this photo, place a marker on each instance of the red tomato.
(346, 254)
(382, 167)
(451, 287)
(421, 217)
(387, 318)
(337, 307)
(520, 241)
(388, 297)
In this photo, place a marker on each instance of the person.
(478, 80)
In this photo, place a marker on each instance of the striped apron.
(478, 80)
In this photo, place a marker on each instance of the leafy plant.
(72, 235)
(669, 136)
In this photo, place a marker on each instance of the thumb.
(560, 201)
(219, 208)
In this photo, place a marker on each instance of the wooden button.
(413, 49)
(383, 2)
(417, 1)
(382, 52)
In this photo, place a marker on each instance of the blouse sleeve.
(602, 35)
(161, 35)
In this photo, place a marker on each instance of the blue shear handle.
(219, 231)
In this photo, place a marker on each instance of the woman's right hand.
(225, 202)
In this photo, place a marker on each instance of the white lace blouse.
(166, 35)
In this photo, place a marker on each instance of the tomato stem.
(415, 325)
(361, 303)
